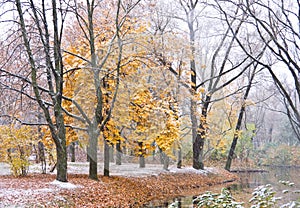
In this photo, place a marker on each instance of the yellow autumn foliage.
(112, 133)
(153, 121)
(143, 118)
(79, 76)
(15, 147)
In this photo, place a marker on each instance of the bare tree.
(43, 33)
(277, 25)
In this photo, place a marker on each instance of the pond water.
(242, 189)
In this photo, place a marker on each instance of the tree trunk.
(61, 164)
(141, 155)
(142, 161)
(106, 158)
(87, 153)
(92, 153)
(60, 142)
(118, 153)
(198, 153)
(161, 157)
(235, 138)
(166, 161)
(195, 137)
(153, 152)
(111, 153)
(72, 149)
(179, 158)
(61, 152)
(193, 102)
(198, 144)
(270, 133)
(42, 156)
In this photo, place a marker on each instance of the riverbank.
(116, 191)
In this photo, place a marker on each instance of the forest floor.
(128, 186)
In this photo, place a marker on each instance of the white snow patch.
(126, 169)
(187, 170)
(213, 170)
(27, 192)
(65, 185)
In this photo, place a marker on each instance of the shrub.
(19, 166)
(15, 144)
(224, 199)
(262, 197)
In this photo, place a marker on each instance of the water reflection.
(244, 187)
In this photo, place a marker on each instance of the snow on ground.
(188, 170)
(13, 196)
(27, 192)
(64, 185)
(4, 169)
(126, 169)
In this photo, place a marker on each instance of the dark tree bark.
(61, 164)
(106, 158)
(87, 154)
(198, 144)
(141, 155)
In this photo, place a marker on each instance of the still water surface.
(242, 189)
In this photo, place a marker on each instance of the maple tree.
(152, 113)
(140, 110)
